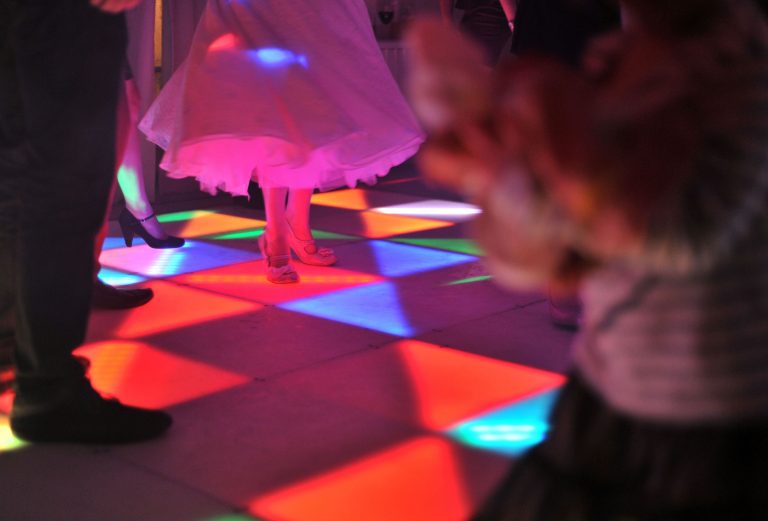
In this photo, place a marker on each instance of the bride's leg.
(300, 233)
(274, 206)
(297, 212)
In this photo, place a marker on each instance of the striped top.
(676, 328)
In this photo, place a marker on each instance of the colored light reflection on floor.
(376, 307)
(183, 216)
(119, 278)
(111, 243)
(450, 385)
(470, 280)
(248, 281)
(378, 225)
(321, 234)
(241, 235)
(172, 307)
(433, 209)
(359, 199)
(456, 245)
(510, 430)
(255, 234)
(397, 260)
(8, 441)
(193, 256)
(142, 375)
(199, 223)
(420, 480)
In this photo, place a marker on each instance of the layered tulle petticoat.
(289, 93)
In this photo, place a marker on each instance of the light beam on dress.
(276, 58)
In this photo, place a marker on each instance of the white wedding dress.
(290, 93)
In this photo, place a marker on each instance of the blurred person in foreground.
(643, 179)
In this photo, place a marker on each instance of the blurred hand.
(448, 83)
(115, 6)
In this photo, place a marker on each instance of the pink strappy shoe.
(308, 252)
(279, 269)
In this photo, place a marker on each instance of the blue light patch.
(193, 256)
(376, 307)
(397, 260)
(110, 243)
(119, 278)
(275, 58)
(510, 430)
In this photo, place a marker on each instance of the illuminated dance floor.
(396, 386)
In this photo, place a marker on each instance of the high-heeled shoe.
(131, 226)
(307, 250)
(279, 269)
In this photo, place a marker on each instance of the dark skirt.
(599, 465)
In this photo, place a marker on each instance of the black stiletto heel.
(130, 226)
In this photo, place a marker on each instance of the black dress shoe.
(78, 414)
(108, 297)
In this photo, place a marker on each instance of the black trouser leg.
(7, 318)
(61, 66)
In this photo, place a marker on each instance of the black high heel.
(131, 226)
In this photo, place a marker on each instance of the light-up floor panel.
(240, 235)
(114, 242)
(420, 480)
(119, 278)
(374, 225)
(193, 256)
(360, 199)
(397, 260)
(432, 386)
(509, 430)
(451, 211)
(254, 234)
(143, 375)
(198, 223)
(375, 306)
(172, 307)
(248, 281)
(466, 246)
